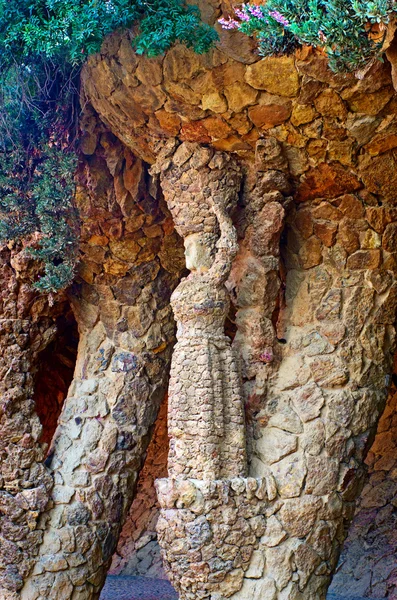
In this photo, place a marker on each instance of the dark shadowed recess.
(55, 374)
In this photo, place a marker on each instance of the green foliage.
(342, 28)
(71, 30)
(43, 44)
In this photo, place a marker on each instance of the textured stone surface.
(205, 417)
(121, 304)
(138, 552)
(368, 562)
(315, 333)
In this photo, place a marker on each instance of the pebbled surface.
(137, 588)
(142, 588)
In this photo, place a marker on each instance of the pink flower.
(228, 23)
(266, 357)
(279, 18)
(242, 14)
(255, 11)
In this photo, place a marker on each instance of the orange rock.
(326, 232)
(382, 144)
(268, 116)
(195, 132)
(241, 123)
(380, 176)
(169, 122)
(217, 127)
(327, 181)
(330, 104)
(98, 240)
(231, 144)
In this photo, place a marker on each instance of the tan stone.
(370, 103)
(302, 114)
(330, 104)
(214, 101)
(239, 95)
(275, 75)
(299, 516)
(275, 444)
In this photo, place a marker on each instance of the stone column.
(130, 264)
(25, 484)
(212, 514)
(317, 424)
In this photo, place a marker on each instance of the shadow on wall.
(55, 374)
(368, 564)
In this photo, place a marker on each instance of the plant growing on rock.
(350, 32)
(43, 44)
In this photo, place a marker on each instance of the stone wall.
(138, 552)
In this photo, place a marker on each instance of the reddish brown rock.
(364, 259)
(268, 116)
(327, 181)
(326, 232)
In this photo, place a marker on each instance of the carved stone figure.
(206, 413)
(206, 495)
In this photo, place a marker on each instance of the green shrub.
(341, 28)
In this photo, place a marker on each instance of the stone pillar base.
(209, 533)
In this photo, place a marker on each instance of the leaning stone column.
(130, 264)
(24, 482)
(212, 514)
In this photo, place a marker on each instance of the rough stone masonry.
(313, 303)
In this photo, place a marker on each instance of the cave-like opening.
(55, 373)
